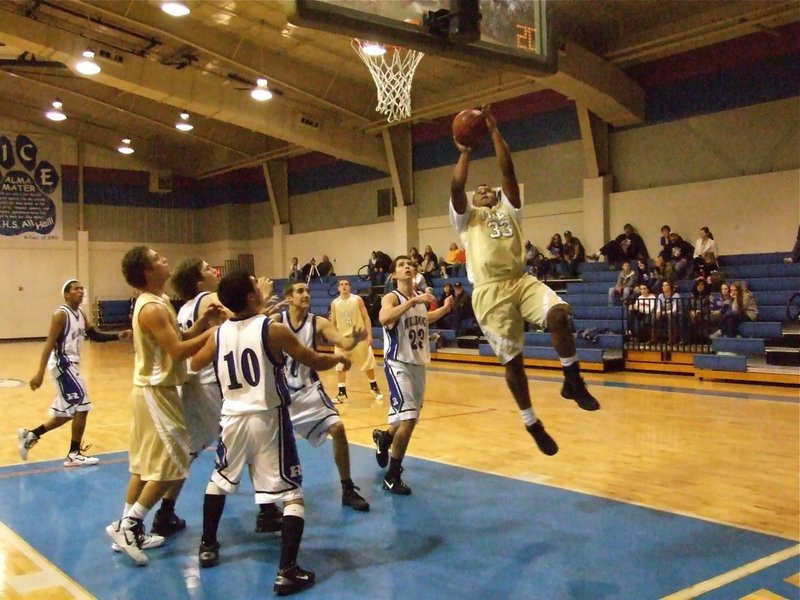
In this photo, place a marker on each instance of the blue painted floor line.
(461, 533)
(636, 386)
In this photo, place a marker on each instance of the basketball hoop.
(392, 71)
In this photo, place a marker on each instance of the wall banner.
(30, 187)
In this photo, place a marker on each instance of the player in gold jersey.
(159, 441)
(504, 296)
(349, 314)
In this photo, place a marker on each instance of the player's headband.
(67, 283)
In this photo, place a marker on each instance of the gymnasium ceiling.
(205, 63)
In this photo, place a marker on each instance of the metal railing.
(669, 325)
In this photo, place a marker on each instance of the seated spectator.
(627, 246)
(447, 290)
(705, 253)
(325, 268)
(295, 272)
(743, 308)
(645, 274)
(720, 303)
(429, 250)
(428, 266)
(449, 265)
(556, 250)
(679, 252)
(641, 314)
(417, 279)
(535, 262)
(414, 255)
(662, 271)
(462, 309)
(378, 266)
(310, 270)
(574, 253)
(664, 239)
(668, 314)
(626, 281)
(700, 310)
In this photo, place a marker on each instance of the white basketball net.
(392, 73)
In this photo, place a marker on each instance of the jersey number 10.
(250, 369)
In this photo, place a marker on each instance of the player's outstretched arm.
(155, 319)
(57, 324)
(211, 312)
(99, 336)
(281, 340)
(205, 355)
(392, 309)
(445, 308)
(326, 329)
(457, 194)
(508, 176)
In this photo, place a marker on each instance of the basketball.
(469, 127)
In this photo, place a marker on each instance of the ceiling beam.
(254, 59)
(598, 84)
(197, 92)
(64, 92)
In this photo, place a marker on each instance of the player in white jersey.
(348, 312)
(61, 356)
(406, 347)
(312, 412)
(248, 353)
(504, 296)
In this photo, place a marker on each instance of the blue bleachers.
(760, 271)
(112, 313)
(715, 362)
(752, 259)
(772, 282)
(742, 346)
(587, 355)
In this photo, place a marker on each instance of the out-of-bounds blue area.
(460, 534)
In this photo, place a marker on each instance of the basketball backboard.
(514, 34)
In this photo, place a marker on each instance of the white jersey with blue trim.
(406, 340)
(68, 346)
(250, 378)
(297, 374)
(187, 316)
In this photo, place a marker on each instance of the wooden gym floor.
(720, 453)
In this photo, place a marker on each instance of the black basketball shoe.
(382, 442)
(576, 390)
(546, 444)
(291, 580)
(167, 524)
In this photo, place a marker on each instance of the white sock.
(528, 416)
(294, 510)
(566, 362)
(127, 510)
(138, 511)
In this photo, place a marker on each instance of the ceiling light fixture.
(373, 49)
(87, 66)
(56, 112)
(126, 147)
(175, 9)
(261, 92)
(184, 124)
